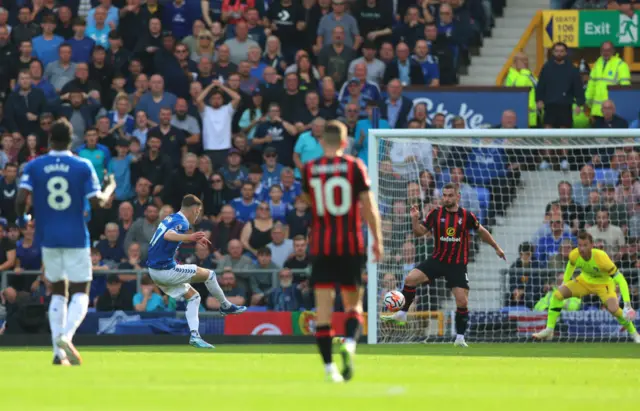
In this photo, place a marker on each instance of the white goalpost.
(535, 190)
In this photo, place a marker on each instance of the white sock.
(401, 315)
(193, 306)
(78, 308)
(216, 291)
(57, 320)
(459, 336)
(330, 367)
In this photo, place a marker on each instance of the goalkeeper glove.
(629, 313)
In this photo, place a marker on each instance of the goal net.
(534, 190)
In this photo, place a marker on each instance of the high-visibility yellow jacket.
(527, 79)
(614, 72)
(512, 75)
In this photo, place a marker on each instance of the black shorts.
(454, 274)
(345, 271)
(558, 115)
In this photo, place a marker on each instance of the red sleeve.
(429, 220)
(361, 180)
(472, 221)
(226, 5)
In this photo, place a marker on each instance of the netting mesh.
(534, 194)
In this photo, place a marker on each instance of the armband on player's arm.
(568, 272)
(619, 279)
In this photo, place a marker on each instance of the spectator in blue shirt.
(549, 245)
(111, 248)
(234, 172)
(286, 296)
(112, 14)
(177, 18)
(428, 63)
(245, 205)
(361, 134)
(279, 208)
(120, 167)
(271, 169)
(120, 117)
(152, 101)
(148, 300)
(97, 154)
(99, 31)
(45, 46)
(368, 89)
(308, 146)
(28, 257)
(39, 82)
(81, 45)
(291, 188)
(353, 96)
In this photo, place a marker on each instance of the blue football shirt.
(244, 212)
(60, 184)
(161, 255)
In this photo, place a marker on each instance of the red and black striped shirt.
(334, 185)
(451, 234)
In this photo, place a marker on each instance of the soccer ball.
(393, 300)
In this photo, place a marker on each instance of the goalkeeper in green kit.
(599, 276)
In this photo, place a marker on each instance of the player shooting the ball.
(599, 276)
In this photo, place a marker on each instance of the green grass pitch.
(290, 378)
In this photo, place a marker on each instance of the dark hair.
(561, 44)
(525, 248)
(565, 182)
(95, 251)
(114, 35)
(585, 236)
(190, 200)
(78, 21)
(60, 134)
(450, 186)
(49, 19)
(248, 183)
(255, 169)
(264, 251)
(64, 45)
(10, 165)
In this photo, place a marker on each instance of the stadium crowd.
(226, 100)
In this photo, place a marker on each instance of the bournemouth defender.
(60, 185)
(599, 276)
(173, 278)
(450, 226)
(338, 188)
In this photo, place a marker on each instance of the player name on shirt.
(50, 168)
(329, 168)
